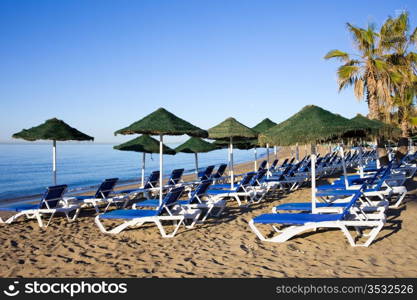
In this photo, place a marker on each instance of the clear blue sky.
(100, 65)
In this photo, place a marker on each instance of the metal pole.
(196, 164)
(161, 166)
(267, 156)
(232, 178)
(342, 154)
(361, 160)
(313, 179)
(143, 170)
(54, 161)
(255, 152)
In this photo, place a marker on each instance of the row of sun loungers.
(357, 201)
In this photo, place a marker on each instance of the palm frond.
(343, 56)
(359, 87)
(413, 37)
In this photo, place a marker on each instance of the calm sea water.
(26, 169)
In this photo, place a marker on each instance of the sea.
(26, 169)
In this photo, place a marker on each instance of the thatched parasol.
(231, 129)
(264, 125)
(161, 122)
(312, 125)
(54, 130)
(378, 128)
(144, 144)
(196, 145)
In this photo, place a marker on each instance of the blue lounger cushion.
(221, 186)
(295, 219)
(130, 191)
(273, 179)
(19, 207)
(307, 205)
(336, 193)
(331, 186)
(149, 203)
(218, 192)
(129, 214)
(84, 197)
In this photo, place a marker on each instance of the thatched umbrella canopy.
(54, 130)
(312, 124)
(377, 128)
(261, 127)
(231, 129)
(162, 122)
(196, 145)
(264, 125)
(144, 144)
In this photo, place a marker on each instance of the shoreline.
(123, 184)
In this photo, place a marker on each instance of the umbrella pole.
(256, 159)
(196, 164)
(378, 163)
(275, 152)
(342, 154)
(161, 167)
(267, 156)
(361, 159)
(54, 161)
(143, 170)
(232, 178)
(313, 179)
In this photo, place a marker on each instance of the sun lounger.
(139, 217)
(50, 204)
(104, 196)
(294, 224)
(220, 192)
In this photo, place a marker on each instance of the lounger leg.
(12, 218)
(377, 226)
(238, 200)
(116, 229)
(194, 220)
(399, 201)
(95, 205)
(207, 214)
(283, 236)
(39, 218)
(77, 211)
(219, 212)
(162, 230)
(50, 219)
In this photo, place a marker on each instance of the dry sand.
(224, 247)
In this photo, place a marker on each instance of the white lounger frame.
(289, 232)
(37, 214)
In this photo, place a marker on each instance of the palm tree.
(367, 70)
(396, 41)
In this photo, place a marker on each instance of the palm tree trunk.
(373, 107)
(403, 120)
(405, 129)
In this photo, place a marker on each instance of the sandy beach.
(224, 247)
